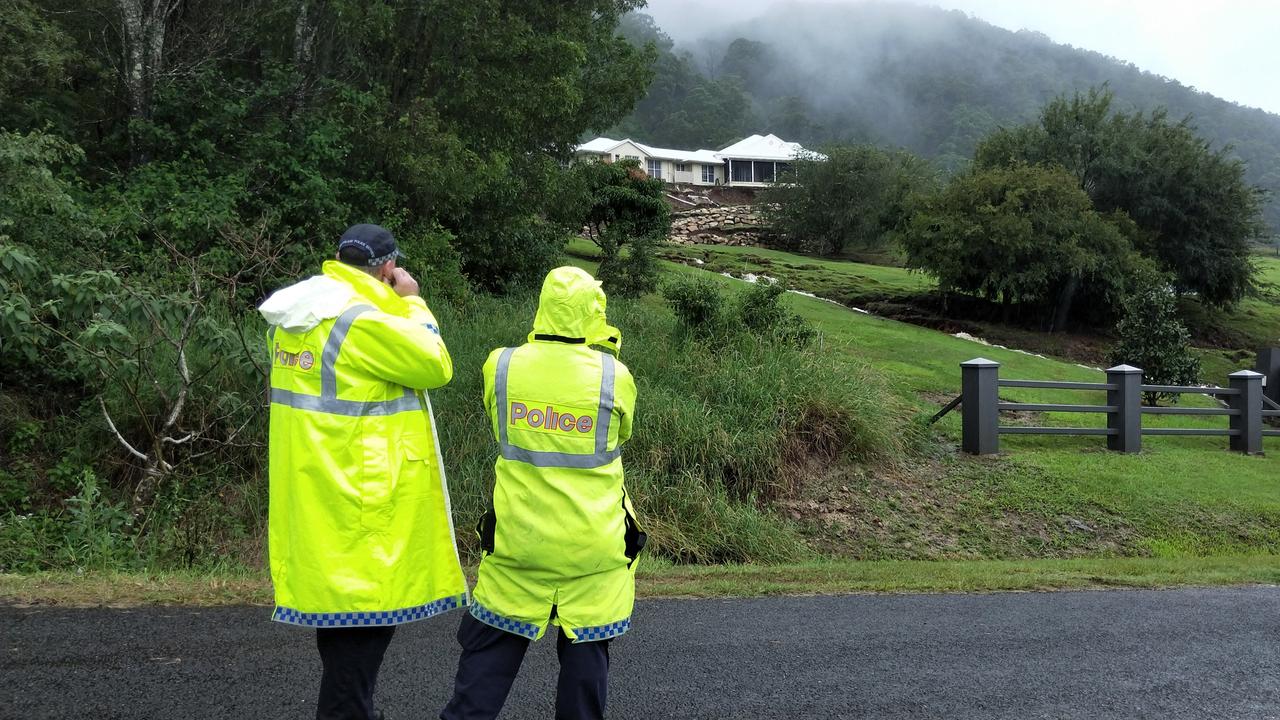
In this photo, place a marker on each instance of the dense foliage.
(166, 164)
(852, 197)
(1028, 238)
(931, 81)
(1198, 217)
(196, 118)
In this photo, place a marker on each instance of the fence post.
(1126, 421)
(980, 418)
(1269, 366)
(1249, 403)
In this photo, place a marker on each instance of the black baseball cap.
(368, 245)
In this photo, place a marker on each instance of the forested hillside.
(932, 81)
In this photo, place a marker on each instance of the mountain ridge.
(930, 80)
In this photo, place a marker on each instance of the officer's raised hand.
(403, 283)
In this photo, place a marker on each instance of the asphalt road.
(1122, 654)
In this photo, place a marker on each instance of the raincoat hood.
(572, 305)
(302, 306)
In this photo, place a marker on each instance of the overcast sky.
(1230, 48)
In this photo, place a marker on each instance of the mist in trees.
(930, 81)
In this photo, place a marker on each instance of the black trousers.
(491, 658)
(351, 658)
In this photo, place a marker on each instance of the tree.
(1198, 216)
(751, 61)
(622, 207)
(1153, 339)
(1025, 237)
(201, 116)
(853, 198)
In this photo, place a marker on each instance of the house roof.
(599, 145)
(763, 147)
(607, 145)
(708, 157)
(756, 147)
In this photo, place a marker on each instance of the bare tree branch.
(132, 450)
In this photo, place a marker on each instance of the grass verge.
(661, 580)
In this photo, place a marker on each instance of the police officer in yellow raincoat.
(361, 538)
(561, 539)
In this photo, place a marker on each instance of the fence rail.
(1251, 399)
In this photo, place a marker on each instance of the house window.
(654, 167)
(740, 171)
(708, 174)
(764, 172)
(682, 167)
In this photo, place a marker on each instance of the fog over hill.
(933, 81)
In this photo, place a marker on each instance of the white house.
(753, 162)
(696, 167)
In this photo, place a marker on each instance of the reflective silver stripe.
(332, 346)
(327, 401)
(540, 458)
(605, 415)
(354, 408)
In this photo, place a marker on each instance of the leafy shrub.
(760, 310)
(698, 304)
(433, 261)
(90, 533)
(1154, 339)
(631, 271)
(511, 256)
(14, 494)
(702, 310)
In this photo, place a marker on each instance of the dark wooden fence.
(1251, 398)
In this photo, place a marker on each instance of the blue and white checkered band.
(290, 616)
(383, 259)
(602, 632)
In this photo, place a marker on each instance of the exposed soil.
(945, 508)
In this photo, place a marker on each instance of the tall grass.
(720, 430)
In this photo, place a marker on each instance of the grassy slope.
(1183, 497)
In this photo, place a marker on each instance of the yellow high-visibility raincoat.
(360, 524)
(561, 533)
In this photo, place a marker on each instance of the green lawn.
(848, 282)
(1228, 340)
